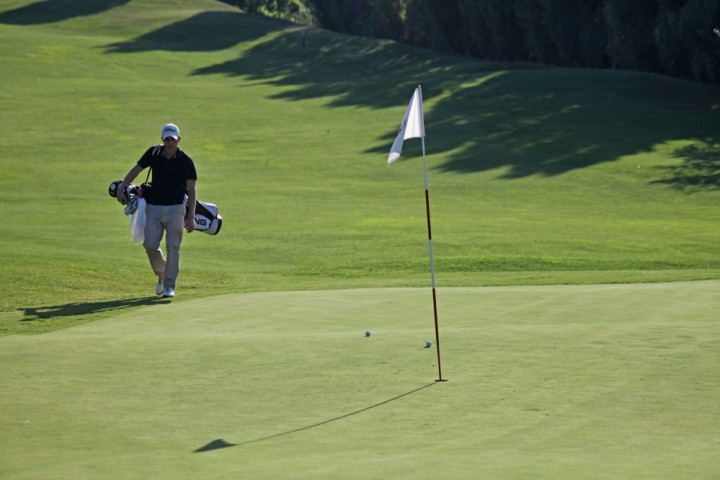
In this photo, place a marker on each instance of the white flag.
(413, 125)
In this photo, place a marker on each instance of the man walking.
(173, 177)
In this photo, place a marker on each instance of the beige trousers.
(168, 219)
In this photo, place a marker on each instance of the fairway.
(616, 381)
(537, 175)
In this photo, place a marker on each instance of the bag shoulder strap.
(156, 152)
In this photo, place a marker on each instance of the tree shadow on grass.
(700, 169)
(50, 11)
(569, 120)
(31, 314)
(348, 71)
(220, 443)
(204, 32)
(521, 119)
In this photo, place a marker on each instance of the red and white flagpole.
(432, 264)
(413, 126)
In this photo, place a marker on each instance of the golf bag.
(207, 218)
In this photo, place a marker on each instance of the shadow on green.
(220, 443)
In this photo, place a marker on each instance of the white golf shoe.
(159, 288)
(169, 292)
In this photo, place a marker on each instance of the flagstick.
(413, 126)
(432, 263)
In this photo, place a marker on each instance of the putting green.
(612, 381)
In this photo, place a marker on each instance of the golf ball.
(428, 344)
(368, 333)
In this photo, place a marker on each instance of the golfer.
(167, 211)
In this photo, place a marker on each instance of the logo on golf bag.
(207, 219)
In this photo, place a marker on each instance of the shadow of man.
(83, 308)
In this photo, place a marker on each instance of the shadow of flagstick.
(220, 443)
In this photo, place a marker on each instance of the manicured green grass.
(614, 381)
(544, 183)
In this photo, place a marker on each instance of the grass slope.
(614, 381)
(537, 175)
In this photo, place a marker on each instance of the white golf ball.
(428, 344)
(368, 333)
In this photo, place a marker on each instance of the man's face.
(171, 144)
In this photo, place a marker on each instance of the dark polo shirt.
(169, 175)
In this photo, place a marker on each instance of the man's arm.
(134, 171)
(192, 198)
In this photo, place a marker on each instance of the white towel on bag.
(137, 222)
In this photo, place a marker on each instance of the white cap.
(170, 130)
